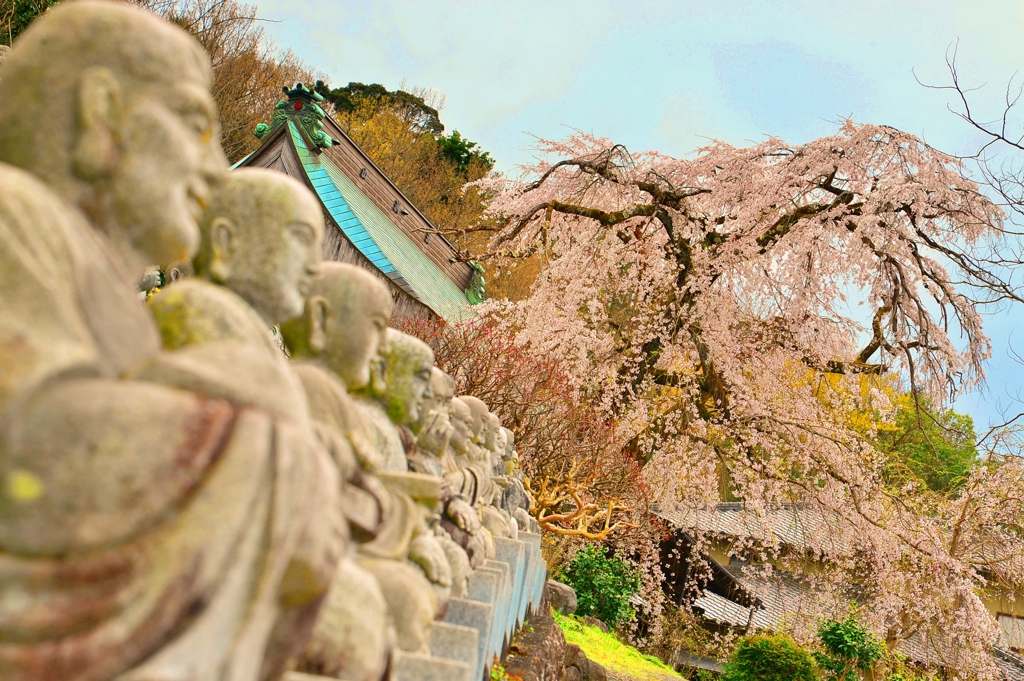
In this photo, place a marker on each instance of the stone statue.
(431, 455)
(259, 249)
(409, 373)
(155, 511)
(434, 427)
(516, 499)
(479, 456)
(338, 336)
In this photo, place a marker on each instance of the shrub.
(603, 585)
(848, 649)
(770, 657)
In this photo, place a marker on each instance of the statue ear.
(316, 324)
(222, 233)
(95, 150)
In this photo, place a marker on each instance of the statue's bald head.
(407, 362)
(343, 323)
(480, 412)
(261, 237)
(462, 426)
(510, 441)
(110, 105)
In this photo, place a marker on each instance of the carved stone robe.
(150, 518)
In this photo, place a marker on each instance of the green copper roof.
(383, 243)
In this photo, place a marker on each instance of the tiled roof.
(381, 241)
(780, 596)
(793, 525)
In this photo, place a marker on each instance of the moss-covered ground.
(613, 654)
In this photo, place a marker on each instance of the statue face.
(490, 437)
(462, 421)
(510, 442)
(354, 339)
(436, 428)
(409, 363)
(169, 155)
(273, 257)
(405, 391)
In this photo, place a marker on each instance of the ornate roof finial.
(302, 108)
(477, 292)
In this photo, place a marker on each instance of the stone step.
(420, 667)
(501, 613)
(511, 552)
(479, 616)
(456, 642)
(485, 586)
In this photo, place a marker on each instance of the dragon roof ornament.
(303, 110)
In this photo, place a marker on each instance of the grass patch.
(611, 653)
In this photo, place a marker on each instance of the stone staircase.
(502, 594)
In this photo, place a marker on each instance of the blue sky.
(669, 75)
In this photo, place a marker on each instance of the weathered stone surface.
(420, 667)
(594, 622)
(353, 638)
(485, 586)
(158, 511)
(302, 676)
(476, 615)
(531, 559)
(455, 642)
(510, 552)
(578, 667)
(410, 599)
(501, 634)
(562, 597)
(538, 655)
(423, 489)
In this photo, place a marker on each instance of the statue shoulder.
(331, 405)
(67, 299)
(192, 311)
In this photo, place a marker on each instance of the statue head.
(261, 237)
(407, 365)
(111, 107)
(434, 426)
(462, 426)
(343, 322)
(492, 428)
(479, 411)
(510, 444)
(498, 457)
(499, 444)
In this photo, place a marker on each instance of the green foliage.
(611, 653)
(16, 16)
(933, 447)
(498, 672)
(461, 152)
(770, 657)
(411, 106)
(847, 648)
(603, 585)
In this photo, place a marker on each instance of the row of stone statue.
(178, 500)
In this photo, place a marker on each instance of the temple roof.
(360, 199)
